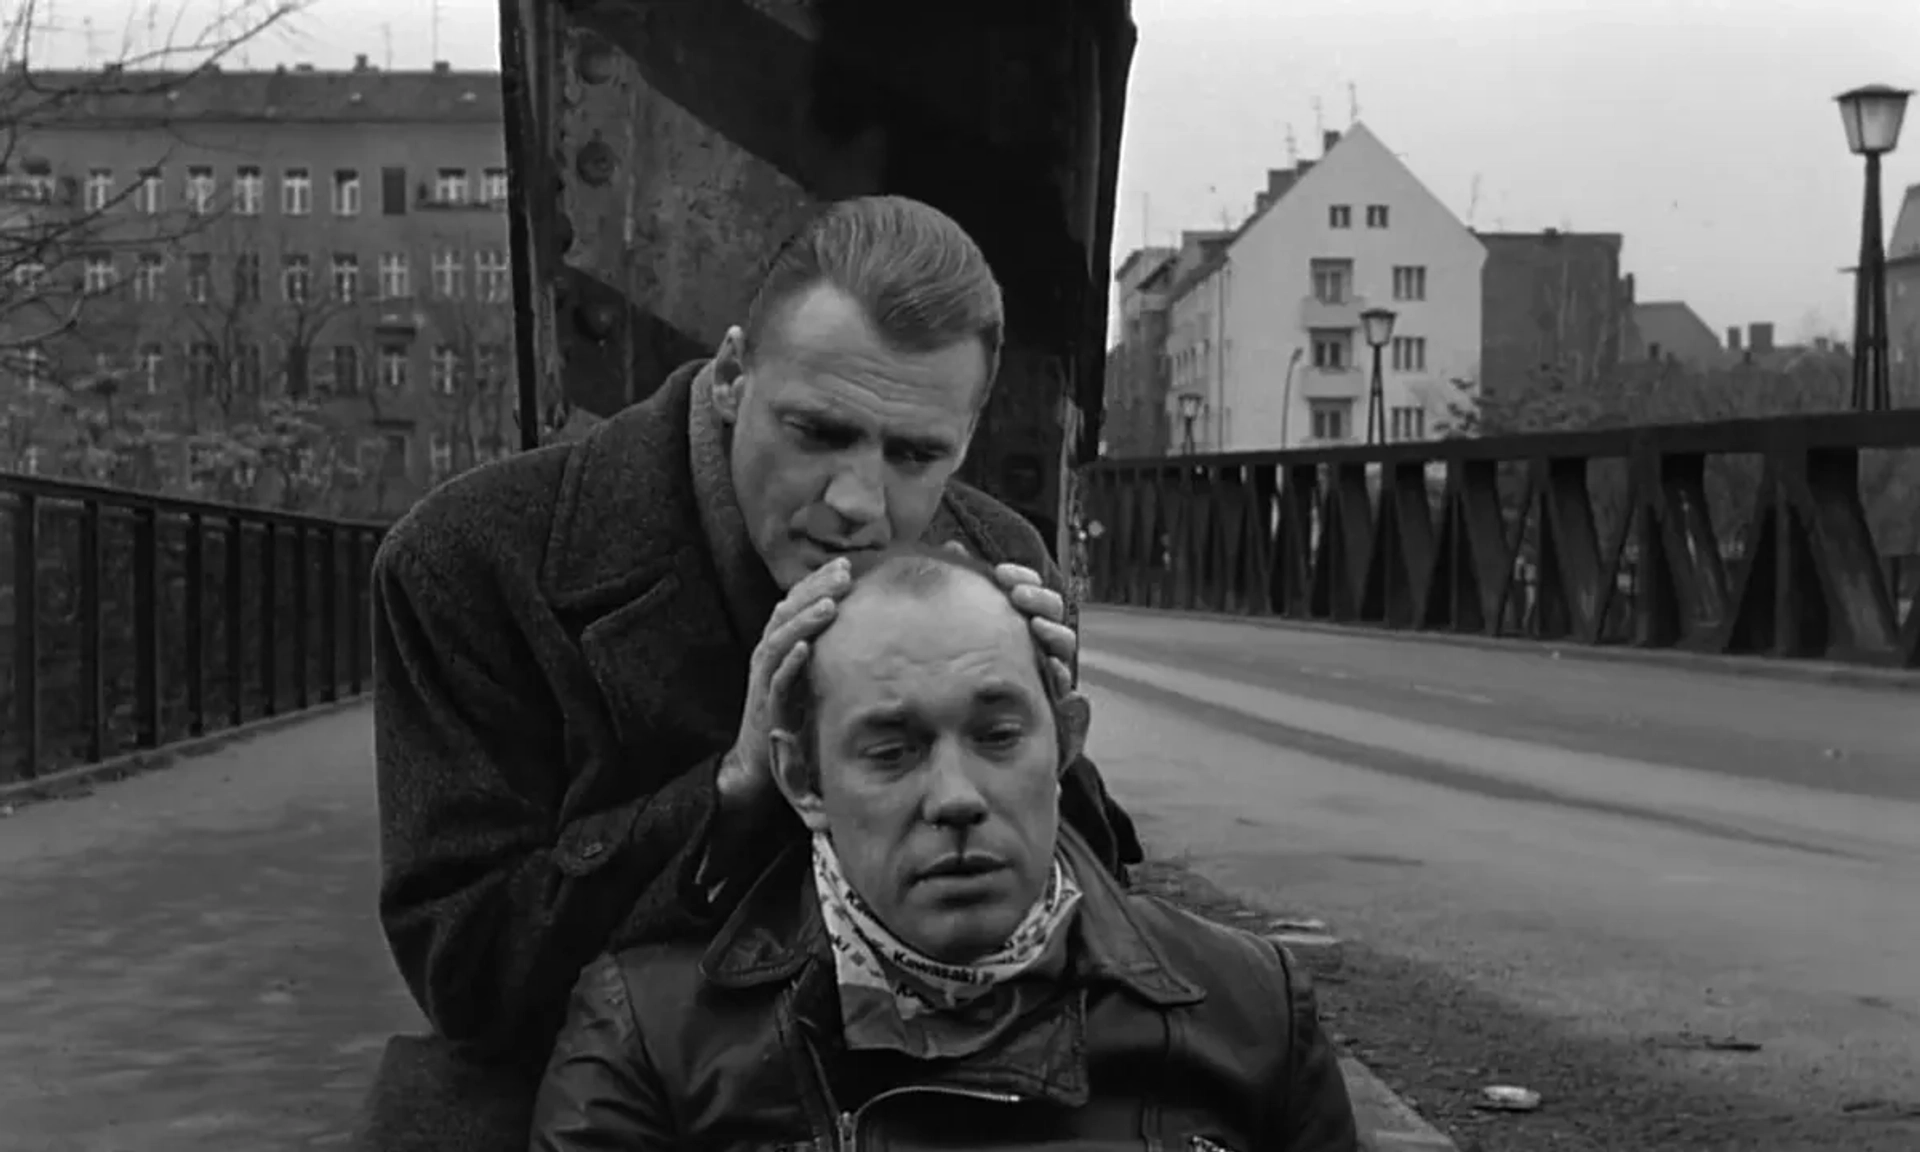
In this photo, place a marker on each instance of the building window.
(393, 369)
(490, 268)
(296, 370)
(153, 362)
(249, 189)
(200, 189)
(393, 276)
(31, 460)
(150, 196)
(147, 274)
(446, 274)
(1410, 282)
(199, 277)
(246, 278)
(1330, 418)
(346, 192)
(489, 367)
(1408, 423)
(99, 189)
(1333, 349)
(99, 273)
(450, 186)
(1332, 280)
(493, 186)
(296, 277)
(440, 455)
(346, 369)
(346, 277)
(393, 454)
(1653, 350)
(201, 360)
(446, 370)
(247, 375)
(1376, 215)
(1409, 353)
(296, 192)
(1340, 216)
(34, 368)
(393, 191)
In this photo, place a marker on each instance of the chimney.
(1302, 168)
(441, 67)
(1260, 202)
(1733, 338)
(1820, 343)
(1278, 181)
(1760, 338)
(303, 67)
(360, 62)
(1327, 140)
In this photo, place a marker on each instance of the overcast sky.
(1705, 132)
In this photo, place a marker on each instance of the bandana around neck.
(893, 996)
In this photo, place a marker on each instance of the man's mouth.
(964, 866)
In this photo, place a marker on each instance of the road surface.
(1608, 881)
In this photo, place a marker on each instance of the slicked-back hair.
(919, 277)
(913, 570)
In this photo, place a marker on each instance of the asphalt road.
(1684, 906)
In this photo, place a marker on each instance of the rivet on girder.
(596, 162)
(598, 320)
(596, 60)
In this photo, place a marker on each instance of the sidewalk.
(191, 962)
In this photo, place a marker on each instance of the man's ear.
(797, 781)
(729, 370)
(1075, 716)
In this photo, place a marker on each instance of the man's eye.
(1002, 736)
(891, 755)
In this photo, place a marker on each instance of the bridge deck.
(1596, 858)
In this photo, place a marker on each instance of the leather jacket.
(1168, 1032)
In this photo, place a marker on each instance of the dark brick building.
(240, 236)
(1553, 304)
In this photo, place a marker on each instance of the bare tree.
(81, 259)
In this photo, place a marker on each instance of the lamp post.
(1189, 412)
(1872, 117)
(1378, 323)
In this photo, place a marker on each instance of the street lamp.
(1189, 412)
(1872, 117)
(1378, 323)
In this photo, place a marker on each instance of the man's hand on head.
(746, 775)
(1046, 613)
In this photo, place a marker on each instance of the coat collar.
(776, 933)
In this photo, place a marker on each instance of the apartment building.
(1268, 324)
(1134, 405)
(340, 236)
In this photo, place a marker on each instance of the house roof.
(110, 98)
(1141, 255)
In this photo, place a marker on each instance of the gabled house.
(1670, 331)
(1269, 324)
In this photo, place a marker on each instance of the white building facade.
(1286, 362)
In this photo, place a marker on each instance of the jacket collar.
(777, 931)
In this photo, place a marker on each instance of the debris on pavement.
(1507, 1098)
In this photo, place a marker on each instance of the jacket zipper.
(850, 1121)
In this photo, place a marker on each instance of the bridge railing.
(131, 621)
(1742, 537)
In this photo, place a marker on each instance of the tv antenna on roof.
(1353, 104)
(434, 37)
(93, 44)
(1319, 119)
(386, 35)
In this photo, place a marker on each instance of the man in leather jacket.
(943, 965)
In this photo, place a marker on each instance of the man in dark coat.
(576, 649)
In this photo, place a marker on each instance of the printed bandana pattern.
(872, 964)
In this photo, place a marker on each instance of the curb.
(50, 787)
(1405, 1130)
(1788, 669)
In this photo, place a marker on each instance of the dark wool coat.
(556, 677)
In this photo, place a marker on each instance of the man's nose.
(858, 490)
(953, 799)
